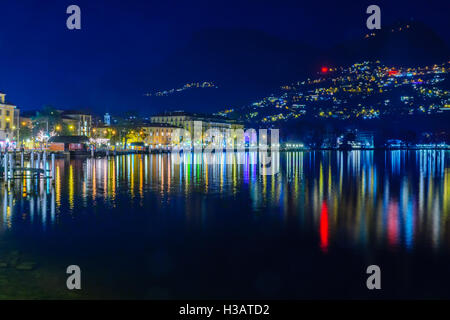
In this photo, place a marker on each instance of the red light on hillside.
(324, 69)
(393, 72)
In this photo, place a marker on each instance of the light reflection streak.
(393, 199)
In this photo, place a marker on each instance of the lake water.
(143, 226)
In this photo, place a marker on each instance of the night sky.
(44, 63)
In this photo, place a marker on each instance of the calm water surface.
(142, 226)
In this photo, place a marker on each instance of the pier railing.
(41, 165)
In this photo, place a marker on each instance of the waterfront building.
(330, 140)
(356, 139)
(9, 117)
(365, 139)
(188, 121)
(159, 135)
(68, 143)
(80, 123)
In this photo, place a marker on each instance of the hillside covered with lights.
(367, 90)
(246, 67)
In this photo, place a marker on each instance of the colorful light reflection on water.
(361, 201)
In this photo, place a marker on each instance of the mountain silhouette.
(402, 44)
(247, 64)
(243, 63)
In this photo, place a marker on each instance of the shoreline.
(104, 153)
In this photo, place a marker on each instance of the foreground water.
(143, 226)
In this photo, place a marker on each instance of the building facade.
(188, 121)
(80, 123)
(9, 118)
(159, 135)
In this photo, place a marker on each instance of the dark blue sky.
(44, 63)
